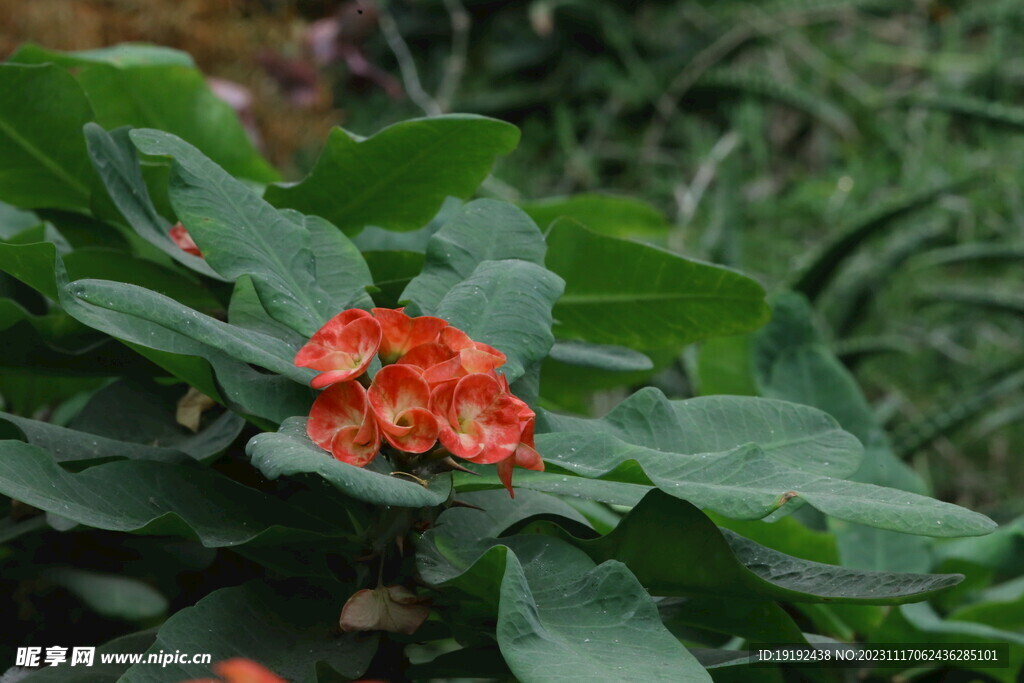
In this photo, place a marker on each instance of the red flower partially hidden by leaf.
(342, 349)
(240, 670)
(478, 419)
(387, 608)
(402, 333)
(400, 400)
(179, 235)
(340, 421)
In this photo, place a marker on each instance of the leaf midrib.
(54, 168)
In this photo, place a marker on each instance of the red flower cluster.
(436, 384)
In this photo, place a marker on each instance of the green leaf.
(559, 616)
(744, 470)
(793, 363)
(153, 408)
(506, 304)
(151, 87)
(340, 269)
(604, 214)
(42, 111)
(267, 624)
(123, 55)
(755, 620)
(71, 445)
(114, 157)
(244, 345)
(630, 294)
(246, 310)
(146, 497)
(244, 389)
(289, 451)
(562, 620)
(660, 537)
(725, 366)
(482, 230)
(791, 435)
(109, 594)
(240, 234)
(600, 356)
(418, 163)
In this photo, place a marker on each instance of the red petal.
(418, 431)
(342, 348)
(426, 356)
(395, 389)
(341, 405)
(357, 445)
(240, 670)
(402, 333)
(504, 468)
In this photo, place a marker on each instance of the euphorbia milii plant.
(435, 384)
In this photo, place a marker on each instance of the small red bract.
(179, 235)
(436, 384)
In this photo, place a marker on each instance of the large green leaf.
(482, 230)
(114, 157)
(288, 628)
(124, 55)
(240, 234)
(154, 422)
(659, 539)
(605, 214)
(72, 445)
(676, 447)
(340, 268)
(792, 362)
(398, 178)
(42, 154)
(289, 451)
(143, 304)
(153, 498)
(630, 294)
(792, 435)
(152, 87)
(559, 616)
(506, 304)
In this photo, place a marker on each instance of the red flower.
(342, 348)
(239, 670)
(400, 400)
(179, 235)
(340, 422)
(468, 357)
(402, 333)
(478, 420)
